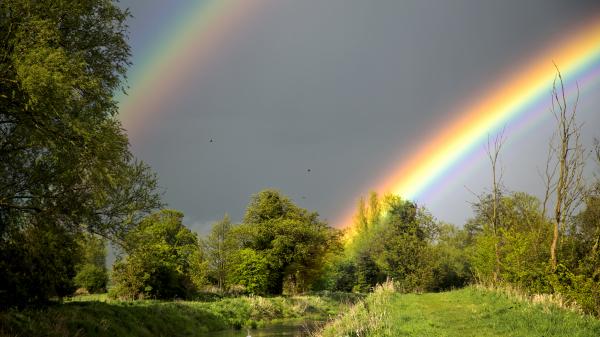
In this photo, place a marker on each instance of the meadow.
(472, 311)
(97, 315)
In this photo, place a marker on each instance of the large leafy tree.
(159, 259)
(393, 239)
(401, 244)
(65, 166)
(221, 247)
(293, 240)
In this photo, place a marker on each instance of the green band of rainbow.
(518, 97)
(208, 24)
(188, 47)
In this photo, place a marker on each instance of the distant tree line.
(394, 239)
(278, 248)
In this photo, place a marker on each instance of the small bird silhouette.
(308, 170)
(211, 140)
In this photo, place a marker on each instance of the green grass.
(89, 298)
(466, 312)
(97, 316)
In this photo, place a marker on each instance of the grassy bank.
(96, 316)
(465, 312)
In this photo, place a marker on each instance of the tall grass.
(545, 301)
(364, 318)
(99, 316)
(468, 312)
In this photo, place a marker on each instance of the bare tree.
(594, 192)
(549, 176)
(567, 154)
(493, 151)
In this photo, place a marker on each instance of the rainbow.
(516, 100)
(189, 45)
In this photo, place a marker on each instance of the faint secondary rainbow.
(515, 98)
(188, 46)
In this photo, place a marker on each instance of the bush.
(128, 279)
(46, 257)
(344, 276)
(162, 260)
(252, 272)
(92, 278)
(582, 289)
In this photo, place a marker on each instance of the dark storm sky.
(343, 88)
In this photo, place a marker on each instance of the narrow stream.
(300, 329)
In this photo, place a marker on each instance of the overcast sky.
(344, 88)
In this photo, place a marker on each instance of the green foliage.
(293, 241)
(367, 272)
(159, 259)
(483, 257)
(198, 270)
(450, 259)
(93, 250)
(341, 276)
(220, 249)
(91, 317)
(129, 279)
(581, 251)
(92, 278)
(38, 263)
(394, 240)
(64, 156)
(523, 238)
(252, 272)
(578, 276)
(65, 166)
(269, 205)
(91, 269)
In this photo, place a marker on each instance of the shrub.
(47, 256)
(92, 278)
(162, 261)
(252, 272)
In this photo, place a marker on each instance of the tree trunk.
(493, 154)
(553, 259)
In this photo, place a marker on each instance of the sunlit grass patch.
(475, 312)
(94, 316)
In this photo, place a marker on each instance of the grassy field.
(94, 315)
(467, 312)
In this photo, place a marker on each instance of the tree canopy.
(64, 158)
(293, 240)
(159, 258)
